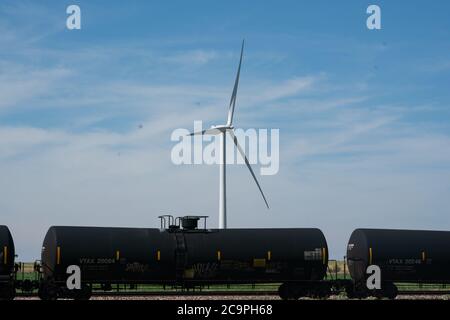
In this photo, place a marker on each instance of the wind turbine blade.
(233, 95)
(241, 151)
(197, 133)
(203, 132)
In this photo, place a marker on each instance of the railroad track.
(224, 293)
(423, 292)
(170, 293)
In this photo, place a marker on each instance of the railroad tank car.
(403, 256)
(187, 256)
(7, 255)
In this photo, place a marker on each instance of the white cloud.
(191, 57)
(19, 85)
(288, 88)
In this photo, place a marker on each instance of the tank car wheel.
(390, 291)
(84, 293)
(355, 292)
(283, 291)
(360, 291)
(350, 292)
(323, 291)
(288, 292)
(47, 292)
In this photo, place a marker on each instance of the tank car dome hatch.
(189, 222)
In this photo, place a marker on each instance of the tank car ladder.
(180, 256)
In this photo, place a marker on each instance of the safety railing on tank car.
(170, 222)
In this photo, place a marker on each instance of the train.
(182, 254)
(405, 256)
(7, 256)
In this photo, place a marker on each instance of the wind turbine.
(221, 131)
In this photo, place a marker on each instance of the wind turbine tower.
(221, 131)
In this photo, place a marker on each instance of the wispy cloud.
(192, 57)
(19, 85)
(289, 88)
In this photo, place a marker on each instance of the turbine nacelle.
(223, 127)
(213, 130)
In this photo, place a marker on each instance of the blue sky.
(363, 115)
